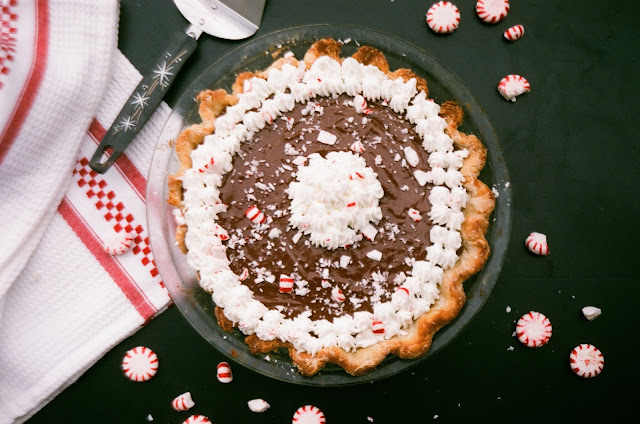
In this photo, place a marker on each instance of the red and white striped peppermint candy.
(224, 373)
(308, 414)
(537, 243)
(285, 284)
(514, 33)
(586, 360)
(183, 402)
(337, 295)
(140, 364)
(512, 86)
(254, 215)
(197, 419)
(244, 275)
(118, 243)
(443, 17)
(533, 329)
(415, 215)
(357, 146)
(492, 11)
(360, 105)
(377, 327)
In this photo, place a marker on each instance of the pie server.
(228, 19)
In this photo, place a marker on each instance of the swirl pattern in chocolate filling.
(264, 169)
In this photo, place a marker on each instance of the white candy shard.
(344, 261)
(337, 295)
(258, 405)
(415, 215)
(591, 312)
(421, 177)
(326, 137)
(412, 156)
(376, 255)
(512, 86)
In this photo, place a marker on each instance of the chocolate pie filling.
(263, 170)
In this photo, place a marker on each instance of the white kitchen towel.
(66, 301)
(55, 60)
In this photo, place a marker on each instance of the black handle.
(144, 100)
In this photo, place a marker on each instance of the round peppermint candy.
(443, 17)
(586, 360)
(533, 329)
(308, 414)
(118, 243)
(492, 11)
(140, 364)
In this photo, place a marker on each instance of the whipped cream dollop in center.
(335, 199)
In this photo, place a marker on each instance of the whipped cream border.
(262, 102)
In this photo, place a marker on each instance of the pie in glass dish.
(331, 208)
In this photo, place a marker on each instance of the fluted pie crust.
(472, 256)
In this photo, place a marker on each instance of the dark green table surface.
(572, 152)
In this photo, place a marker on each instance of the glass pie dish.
(180, 279)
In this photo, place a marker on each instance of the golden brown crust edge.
(475, 248)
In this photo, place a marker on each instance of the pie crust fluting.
(472, 255)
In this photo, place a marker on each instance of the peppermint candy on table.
(514, 33)
(140, 364)
(308, 414)
(537, 243)
(492, 11)
(118, 243)
(183, 402)
(285, 284)
(337, 295)
(586, 360)
(377, 327)
(533, 329)
(197, 419)
(255, 215)
(258, 405)
(512, 86)
(591, 312)
(443, 17)
(224, 373)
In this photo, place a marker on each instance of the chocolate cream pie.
(331, 208)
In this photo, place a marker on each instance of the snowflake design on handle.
(140, 100)
(162, 73)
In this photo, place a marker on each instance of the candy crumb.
(258, 405)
